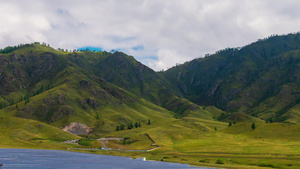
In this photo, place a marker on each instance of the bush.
(253, 126)
(219, 161)
(204, 161)
(84, 142)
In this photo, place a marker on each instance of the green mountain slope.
(58, 88)
(19, 132)
(127, 73)
(260, 79)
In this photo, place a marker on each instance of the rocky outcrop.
(92, 102)
(77, 128)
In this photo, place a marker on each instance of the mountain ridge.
(248, 79)
(240, 79)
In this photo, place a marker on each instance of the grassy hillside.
(58, 88)
(127, 73)
(196, 141)
(29, 67)
(25, 133)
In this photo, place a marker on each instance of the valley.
(238, 108)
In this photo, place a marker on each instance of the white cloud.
(167, 57)
(173, 31)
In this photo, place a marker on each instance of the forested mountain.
(261, 79)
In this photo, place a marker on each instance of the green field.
(192, 139)
(268, 146)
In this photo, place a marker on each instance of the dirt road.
(104, 145)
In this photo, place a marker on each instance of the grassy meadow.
(197, 139)
(268, 146)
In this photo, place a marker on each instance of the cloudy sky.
(158, 33)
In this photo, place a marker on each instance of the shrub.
(84, 142)
(229, 124)
(204, 161)
(253, 126)
(219, 161)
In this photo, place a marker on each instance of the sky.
(158, 33)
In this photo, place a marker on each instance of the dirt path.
(104, 145)
(103, 140)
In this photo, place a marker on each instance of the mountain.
(127, 73)
(100, 89)
(43, 90)
(201, 112)
(260, 79)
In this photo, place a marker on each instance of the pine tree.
(130, 126)
(122, 127)
(230, 124)
(149, 122)
(253, 126)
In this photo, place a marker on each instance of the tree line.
(131, 126)
(9, 49)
